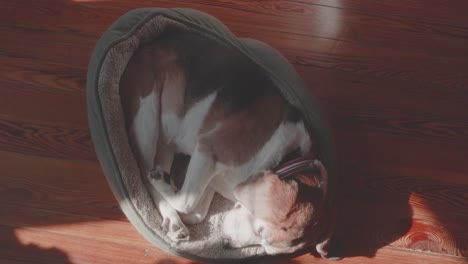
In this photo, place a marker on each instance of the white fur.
(145, 128)
(239, 227)
(286, 137)
(184, 132)
(205, 175)
(198, 176)
(146, 131)
(223, 179)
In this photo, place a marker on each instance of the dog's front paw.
(175, 230)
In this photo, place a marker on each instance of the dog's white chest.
(285, 138)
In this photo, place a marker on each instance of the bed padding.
(106, 119)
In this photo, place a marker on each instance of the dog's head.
(283, 216)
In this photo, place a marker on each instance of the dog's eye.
(237, 206)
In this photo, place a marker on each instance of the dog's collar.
(294, 166)
(293, 163)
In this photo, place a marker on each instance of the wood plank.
(300, 18)
(342, 24)
(378, 59)
(42, 105)
(58, 48)
(401, 156)
(60, 185)
(425, 128)
(40, 73)
(432, 11)
(347, 93)
(368, 61)
(45, 140)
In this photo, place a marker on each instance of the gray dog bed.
(108, 62)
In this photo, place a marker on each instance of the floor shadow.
(13, 250)
(370, 215)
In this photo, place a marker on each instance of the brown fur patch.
(241, 135)
(136, 82)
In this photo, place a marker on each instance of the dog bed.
(108, 62)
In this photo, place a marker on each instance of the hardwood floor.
(392, 77)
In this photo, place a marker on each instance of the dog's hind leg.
(199, 175)
(171, 224)
(200, 212)
(145, 136)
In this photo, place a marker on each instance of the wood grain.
(348, 93)
(56, 48)
(433, 11)
(402, 156)
(55, 184)
(43, 105)
(45, 140)
(347, 54)
(56, 247)
(39, 73)
(391, 77)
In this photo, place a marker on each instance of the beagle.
(183, 93)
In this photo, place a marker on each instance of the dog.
(184, 93)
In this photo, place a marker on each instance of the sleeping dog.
(183, 93)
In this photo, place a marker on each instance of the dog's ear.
(324, 244)
(267, 197)
(327, 245)
(323, 174)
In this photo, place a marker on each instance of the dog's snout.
(226, 243)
